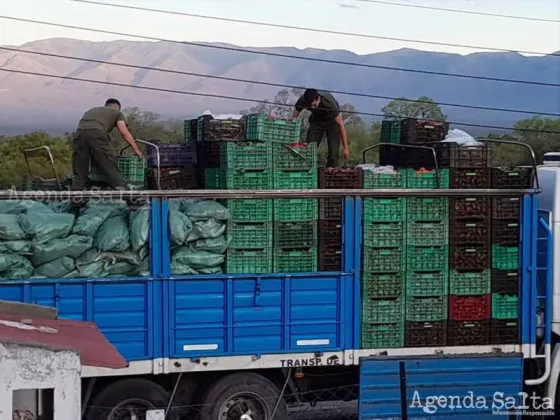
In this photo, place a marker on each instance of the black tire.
(257, 386)
(118, 395)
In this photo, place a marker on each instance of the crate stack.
(506, 218)
(384, 256)
(331, 213)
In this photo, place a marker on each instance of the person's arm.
(340, 122)
(299, 107)
(121, 125)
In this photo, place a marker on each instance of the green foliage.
(425, 108)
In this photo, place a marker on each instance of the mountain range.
(29, 102)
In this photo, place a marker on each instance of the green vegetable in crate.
(10, 265)
(56, 269)
(10, 229)
(197, 260)
(113, 235)
(217, 245)
(72, 246)
(139, 228)
(17, 247)
(204, 210)
(180, 227)
(43, 227)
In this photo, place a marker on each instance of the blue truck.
(249, 347)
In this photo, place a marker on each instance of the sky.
(340, 15)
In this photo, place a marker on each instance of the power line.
(239, 99)
(275, 54)
(467, 12)
(231, 79)
(300, 28)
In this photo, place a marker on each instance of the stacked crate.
(331, 213)
(470, 255)
(384, 256)
(506, 218)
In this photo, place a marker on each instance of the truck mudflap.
(440, 387)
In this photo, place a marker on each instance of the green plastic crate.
(427, 180)
(238, 180)
(426, 308)
(469, 283)
(378, 181)
(245, 156)
(382, 336)
(426, 209)
(382, 286)
(262, 127)
(383, 235)
(427, 284)
(132, 168)
(252, 261)
(295, 234)
(505, 306)
(295, 209)
(390, 131)
(427, 258)
(250, 210)
(295, 261)
(384, 260)
(385, 209)
(295, 180)
(298, 157)
(427, 233)
(250, 235)
(505, 257)
(383, 311)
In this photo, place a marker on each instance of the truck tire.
(246, 396)
(127, 396)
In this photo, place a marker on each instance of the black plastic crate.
(468, 333)
(330, 259)
(208, 155)
(505, 282)
(340, 178)
(506, 208)
(174, 179)
(414, 158)
(470, 178)
(330, 233)
(505, 232)
(470, 257)
(469, 156)
(414, 131)
(211, 129)
(295, 234)
(504, 331)
(426, 334)
(470, 208)
(330, 209)
(515, 178)
(469, 232)
(391, 156)
(172, 155)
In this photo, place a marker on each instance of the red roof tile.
(82, 337)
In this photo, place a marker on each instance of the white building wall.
(26, 367)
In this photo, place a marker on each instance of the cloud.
(348, 6)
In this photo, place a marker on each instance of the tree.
(424, 108)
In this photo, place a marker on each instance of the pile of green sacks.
(46, 240)
(199, 241)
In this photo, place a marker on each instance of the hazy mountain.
(31, 102)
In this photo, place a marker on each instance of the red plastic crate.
(470, 308)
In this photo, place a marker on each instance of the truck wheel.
(243, 396)
(128, 399)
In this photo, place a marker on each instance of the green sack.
(117, 207)
(144, 269)
(178, 269)
(90, 220)
(200, 259)
(113, 235)
(143, 252)
(43, 227)
(23, 206)
(208, 209)
(18, 247)
(56, 269)
(122, 269)
(139, 228)
(208, 229)
(10, 229)
(187, 203)
(92, 270)
(14, 266)
(72, 246)
(60, 206)
(214, 270)
(217, 245)
(179, 227)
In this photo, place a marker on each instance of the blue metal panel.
(121, 308)
(421, 381)
(545, 285)
(527, 245)
(357, 276)
(244, 314)
(349, 251)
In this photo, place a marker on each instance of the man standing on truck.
(93, 142)
(325, 119)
